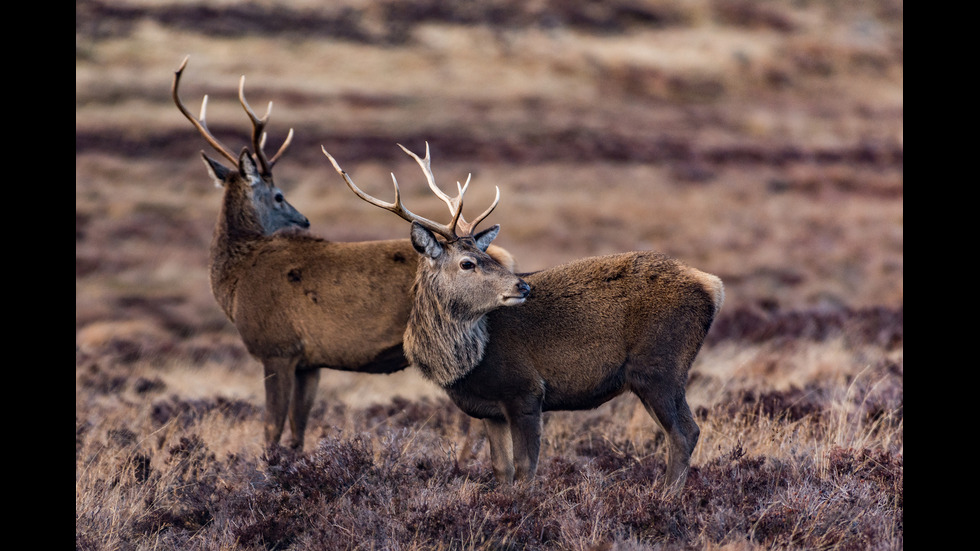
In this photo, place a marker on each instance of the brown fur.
(570, 337)
(300, 303)
(587, 332)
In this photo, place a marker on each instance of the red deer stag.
(299, 302)
(506, 347)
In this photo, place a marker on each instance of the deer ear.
(217, 171)
(425, 242)
(484, 238)
(247, 168)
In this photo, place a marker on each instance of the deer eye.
(467, 265)
(279, 198)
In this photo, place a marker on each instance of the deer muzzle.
(517, 295)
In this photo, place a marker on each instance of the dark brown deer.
(299, 302)
(506, 347)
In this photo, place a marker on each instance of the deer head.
(249, 184)
(458, 266)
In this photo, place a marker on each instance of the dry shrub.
(399, 487)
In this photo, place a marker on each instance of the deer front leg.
(501, 449)
(278, 390)
(304, 393)
(525, 428)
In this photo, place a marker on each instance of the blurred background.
(759, 140)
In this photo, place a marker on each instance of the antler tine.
(426, 165)
(470, 226)
(285, 144)
(455, 204)
(282, 148)
(447, 231)
(258, 129)
(201, 122)
(466, 228)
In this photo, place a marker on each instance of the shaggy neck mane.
(444, 343)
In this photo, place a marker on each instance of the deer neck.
(442, 342)
(236, 234)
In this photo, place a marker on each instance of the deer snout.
(518, 294)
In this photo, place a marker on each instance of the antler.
(466, 228)
(200, 123)
(258, 132)
(258, 126)
(455, 204)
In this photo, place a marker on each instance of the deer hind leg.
(669, 408)
(278, 390)
(501, 449)
(304, 392)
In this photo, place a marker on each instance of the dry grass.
(812, 466)
(760, 141)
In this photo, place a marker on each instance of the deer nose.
(523, 289)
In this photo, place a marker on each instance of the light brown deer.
(506, 347)
(299, 302)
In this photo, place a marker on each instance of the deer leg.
(278, 389)
(525, 428)
(672, 413)
(304, 392)
(501, 450)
